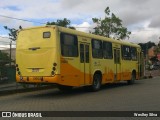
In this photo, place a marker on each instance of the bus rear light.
(52, 72)
(54, 68)
(19, 73)
(54, 64)
(16, 65)
(17, 69)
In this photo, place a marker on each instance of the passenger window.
(126, 52)
(69, 45)
(107, 50)
(97, 51)
(133, 53)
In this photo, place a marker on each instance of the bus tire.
(133, 78)
(64, 88)
(96, 85)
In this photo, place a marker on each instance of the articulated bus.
(70, 58)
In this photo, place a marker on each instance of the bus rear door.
(85, 63)
(117, 64)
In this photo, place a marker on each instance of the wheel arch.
(98, 72)
(134, 72)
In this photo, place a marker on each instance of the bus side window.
(97, 50)
(107, 50)
(69, 45)
(126, 52)
(133, 53)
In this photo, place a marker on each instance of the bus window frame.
(134, 56)
(99, 50)
(123, 51)
(76, 54)
(111, 50)
(48, 34)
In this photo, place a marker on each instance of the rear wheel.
(96, 85)
(133, 78)
(65, 88)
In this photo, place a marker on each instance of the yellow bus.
(70, 58)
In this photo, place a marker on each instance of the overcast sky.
(141, 17)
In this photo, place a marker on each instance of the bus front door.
(84, 63)
(117, 64)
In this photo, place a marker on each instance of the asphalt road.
(144, 95)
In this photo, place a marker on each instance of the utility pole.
(10, 53)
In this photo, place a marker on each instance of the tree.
(12, 36)
(110, 26)
(146, 46)
(157, 49)
(4, 58)
(12, 32)
(64, 23)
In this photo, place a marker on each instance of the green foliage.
(110, 26)
(4, 58)
(64, 23)
(146, 46)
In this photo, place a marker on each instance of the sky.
(141, 17)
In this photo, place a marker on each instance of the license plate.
(37, 78)
(35, 70)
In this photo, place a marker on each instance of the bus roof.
(89, 35)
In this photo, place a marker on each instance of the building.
(151, 52)
(158, 56)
